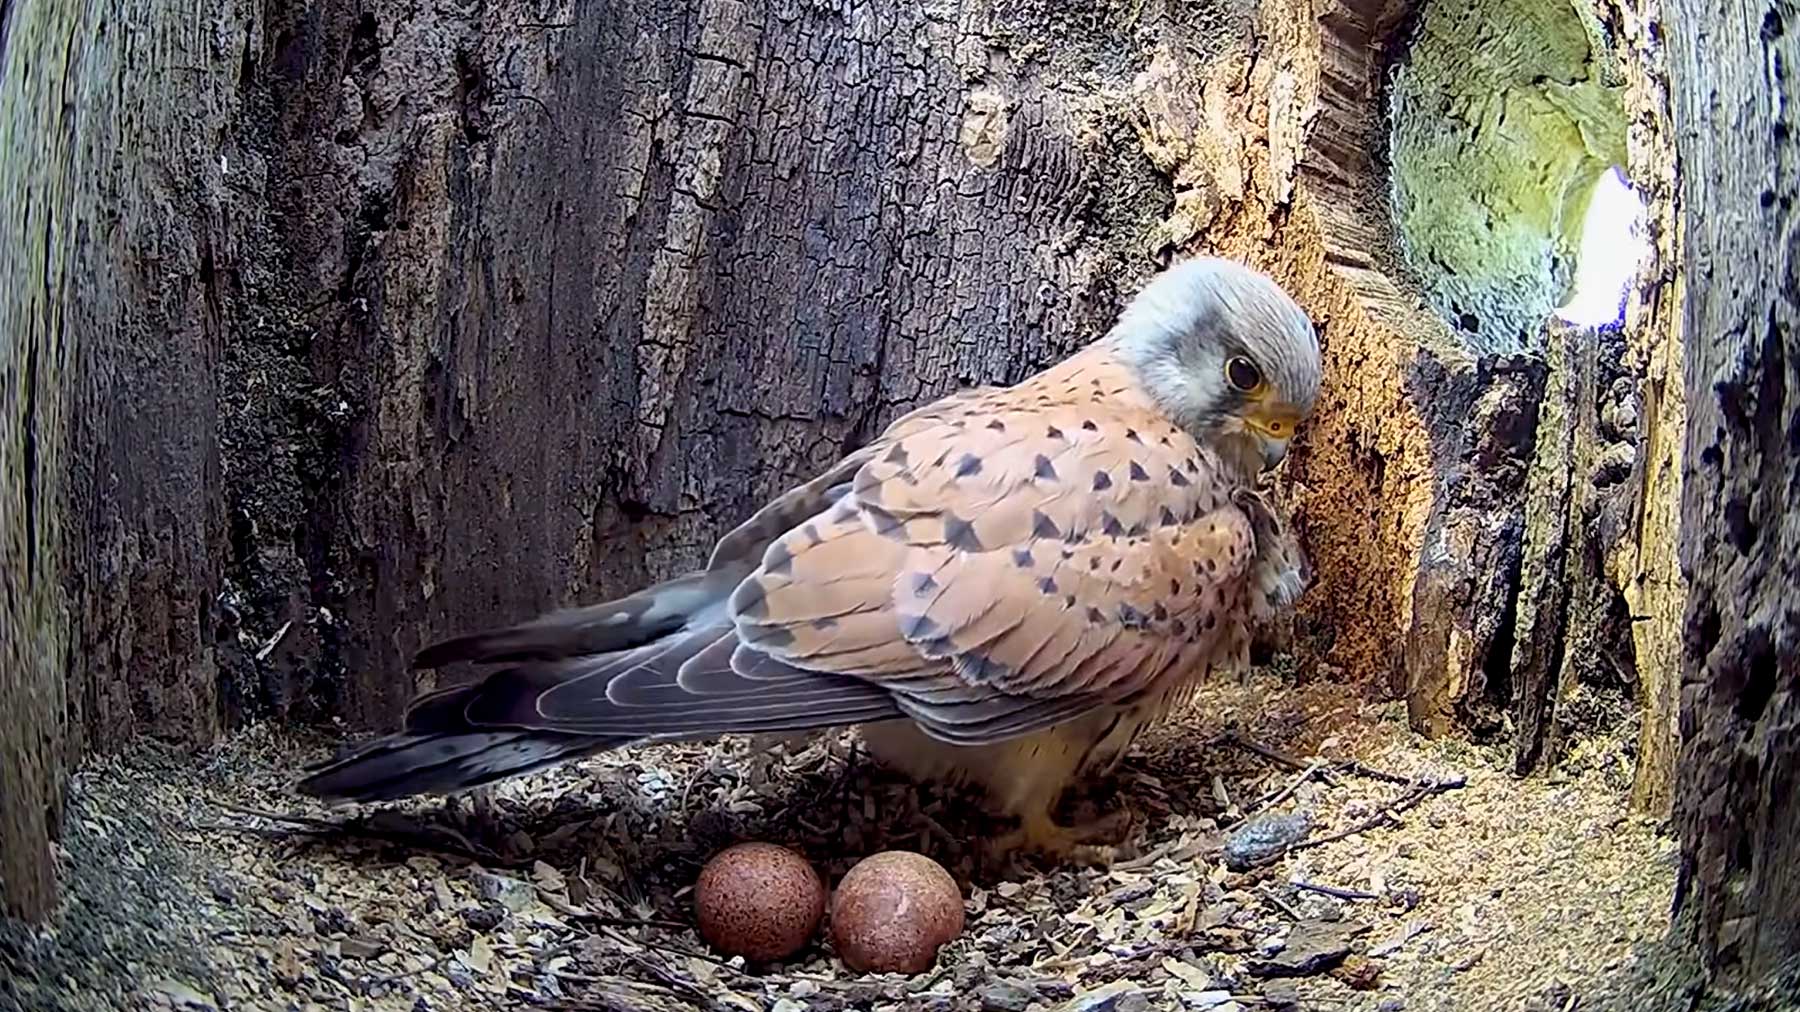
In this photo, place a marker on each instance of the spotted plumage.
(1003, 575)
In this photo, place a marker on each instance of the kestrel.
(1002, 589)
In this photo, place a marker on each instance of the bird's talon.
(1070, 844)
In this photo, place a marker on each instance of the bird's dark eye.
(1243, 374)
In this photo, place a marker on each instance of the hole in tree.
(1759, 674)
(1508, 127)
(1612, 248)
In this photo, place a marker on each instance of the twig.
(1270, 801)
(1357, 769)
(417, 835)
(679, 950)
(1390, 814)
(1273, 755)
(1422, 789)
(1337, 891)
(1278, 903)
(1347, 766)
(1150, 857)
(568, 909)
(1175, 849)
(688, 788)
(675, 983)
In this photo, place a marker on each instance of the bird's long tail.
(656, 665)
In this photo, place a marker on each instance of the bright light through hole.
(1612, 247)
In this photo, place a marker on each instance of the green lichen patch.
(1505, 113)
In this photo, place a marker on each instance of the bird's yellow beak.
(1273, 425)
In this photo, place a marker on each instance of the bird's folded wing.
(748, 540)
(1001, 568)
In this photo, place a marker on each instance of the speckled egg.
(758, 900)
(893, 911)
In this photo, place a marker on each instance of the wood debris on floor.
(1292, 848)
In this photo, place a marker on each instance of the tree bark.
(1640, 553)
(1739, 884)
(112, 151)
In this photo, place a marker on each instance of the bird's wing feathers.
(748, 540)
(1003, 567)
(993, 564)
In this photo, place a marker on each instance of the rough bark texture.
(1502, 115)
(112, 135)
(429, 318)
(1739, 885)
(1641, 559)
(1559, 543)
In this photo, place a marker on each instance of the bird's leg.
(472, 813)
(1093, 842)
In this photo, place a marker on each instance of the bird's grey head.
(1227, 353)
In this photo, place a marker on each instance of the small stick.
(1390, 814)
(669, 980)
(568, 909)
(1273, 755)
(671, 947)
(413, 834)
(1271, 801)
(1258, 748)
(1149, 858)
(1174, 849)
(1278, 903)
(1350, 766)
(1337, 891)
(1357, 769)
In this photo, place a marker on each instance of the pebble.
(1264, 837)
(1205, 999)
(1116, 997)
(511, 893)
(1311, 947)
(1391, 1004)
(484, 918)
(1005, 996)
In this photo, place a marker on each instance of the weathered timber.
(113, 158)
(1736, 67)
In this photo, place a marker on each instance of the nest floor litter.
(1293, 848)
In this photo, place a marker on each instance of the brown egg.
(893, 911)
(759, 901)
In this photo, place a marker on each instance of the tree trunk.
(435, 318)
(1739, 885)
(113, 145)
(1640, 553)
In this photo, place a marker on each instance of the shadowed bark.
(1739, 885)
